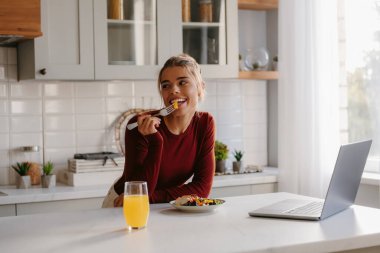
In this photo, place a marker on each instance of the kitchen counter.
(227, 229)
(64, 192)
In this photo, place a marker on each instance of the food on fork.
(194, 200)
(175, 104)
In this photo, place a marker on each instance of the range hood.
(19, 20)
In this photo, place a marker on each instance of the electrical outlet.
(2, 73)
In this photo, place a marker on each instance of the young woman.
(167, 151)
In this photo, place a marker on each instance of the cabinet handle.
(43, 71)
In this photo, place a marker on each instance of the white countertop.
(64, 192)
(227, 229)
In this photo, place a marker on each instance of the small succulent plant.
(238, 154)
(48, 168)
(221, 151)
(22, 168)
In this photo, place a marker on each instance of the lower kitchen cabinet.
(50, 206)
(230, 191)
(7, 210)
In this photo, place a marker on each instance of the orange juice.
(136, 210)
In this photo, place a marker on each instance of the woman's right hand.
(147, 124)
(118, 202)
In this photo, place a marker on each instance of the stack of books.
(88, 166)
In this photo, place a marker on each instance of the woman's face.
(178, 85)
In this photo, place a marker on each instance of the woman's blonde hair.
(187, 62)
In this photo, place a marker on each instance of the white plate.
(196, 209)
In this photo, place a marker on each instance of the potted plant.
(48, 179)
(236, 165)
(221, 155)
(23, 180)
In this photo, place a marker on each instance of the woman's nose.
(175, 89)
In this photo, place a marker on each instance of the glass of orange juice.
(136, 204)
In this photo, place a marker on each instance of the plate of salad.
(193, 203)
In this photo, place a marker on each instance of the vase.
(48, 181)
(23, 182)
(35, 173)
(220, 166)
(236, 166)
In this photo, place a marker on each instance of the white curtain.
(308, 95)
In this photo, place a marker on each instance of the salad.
(194, 200)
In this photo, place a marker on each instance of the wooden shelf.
(259, 5)
(259, 75)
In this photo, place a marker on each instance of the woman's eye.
(164, 85)
(182, 82)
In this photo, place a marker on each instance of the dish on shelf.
(257, 59)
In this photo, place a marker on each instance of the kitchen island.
(227, 229)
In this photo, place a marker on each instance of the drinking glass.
(136, 204)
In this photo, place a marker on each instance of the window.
(359, 46)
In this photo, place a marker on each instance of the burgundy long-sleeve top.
(166, 161)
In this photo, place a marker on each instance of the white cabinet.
(82, 40)
(65, 51)
(230, 191)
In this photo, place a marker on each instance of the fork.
(163, 112)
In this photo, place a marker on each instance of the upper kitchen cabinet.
(19, 19)
(65, 51)
(130, 39)
(134, 38)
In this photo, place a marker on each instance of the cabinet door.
(204, 29)
(65, 51)
(126, 39)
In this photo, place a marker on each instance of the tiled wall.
(65, 117)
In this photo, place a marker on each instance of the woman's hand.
(147, 124)
(118, 202)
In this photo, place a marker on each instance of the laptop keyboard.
(308, 209)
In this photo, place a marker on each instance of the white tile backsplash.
(3, 90)
(60, 140)
(90, 138)
(62, 90)
(4, 124)
(229, 88)
(59, 106)
(89, 89)
(59, 155)
(145, 88)
(120, 89)
(26, 90)
(67, 117)
(24, 124)
(59, 122)
(90, 105)
(90, 122)
(4, 141)
(3, 107)
(25, 139)
(26, 107)
(120, 104)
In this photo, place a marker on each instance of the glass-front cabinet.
(133, 38)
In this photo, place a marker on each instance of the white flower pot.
(23, 182)
(48, 181)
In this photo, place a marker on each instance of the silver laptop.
(341, 193)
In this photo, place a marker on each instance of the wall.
(68, 117)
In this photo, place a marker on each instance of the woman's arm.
(142, 159)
